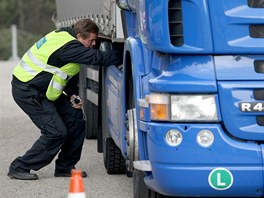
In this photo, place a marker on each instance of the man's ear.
(78, 36)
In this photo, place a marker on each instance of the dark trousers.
(62, 131)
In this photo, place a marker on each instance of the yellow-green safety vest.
(35, 61)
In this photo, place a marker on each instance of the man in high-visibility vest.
(44, 84)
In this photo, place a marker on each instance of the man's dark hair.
(84, 27)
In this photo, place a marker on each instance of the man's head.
(86, 32)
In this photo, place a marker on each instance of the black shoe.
(67, 174)
(22, 175)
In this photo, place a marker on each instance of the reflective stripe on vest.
(42, 66)
(35, 61)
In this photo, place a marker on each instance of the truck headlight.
(183, 108)
(193, 108)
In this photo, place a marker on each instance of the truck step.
(143, 165)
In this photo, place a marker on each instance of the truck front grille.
(175, 22)
(259, 66)
(260, 120)
(256, 3)
(259, 94)
(256, 31)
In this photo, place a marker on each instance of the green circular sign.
(220, 179)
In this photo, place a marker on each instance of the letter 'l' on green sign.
(220, 179)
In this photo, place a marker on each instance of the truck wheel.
(140, 190)
(113, 159)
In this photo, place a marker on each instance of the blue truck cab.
(184, 114)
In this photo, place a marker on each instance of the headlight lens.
(183, 108)
(193, 108)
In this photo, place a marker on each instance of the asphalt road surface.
(17, 134)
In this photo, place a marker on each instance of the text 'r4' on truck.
(184, 113)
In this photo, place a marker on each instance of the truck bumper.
(229, 167)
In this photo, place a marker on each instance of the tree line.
(33, 19)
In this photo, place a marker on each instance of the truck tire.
(140, 190)
(113, 159)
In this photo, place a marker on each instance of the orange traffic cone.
(76, 188)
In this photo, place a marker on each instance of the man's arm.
(75, 52)
(72, 86)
